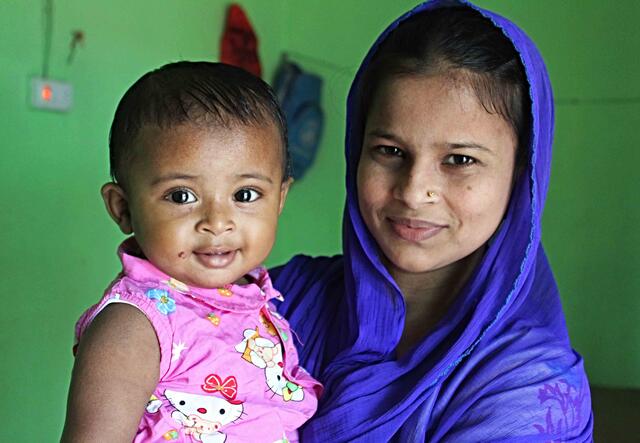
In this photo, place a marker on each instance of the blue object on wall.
(299, 96)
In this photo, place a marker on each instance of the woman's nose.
(216, 219)
(416, 188)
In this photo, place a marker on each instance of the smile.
(215, 258)
(414, 230)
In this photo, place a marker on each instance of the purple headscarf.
(498, 366)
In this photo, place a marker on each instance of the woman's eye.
(391, 151)
(181, 197)
(246, 195)
(459, 160)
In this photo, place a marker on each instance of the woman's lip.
(414, 230)
(415, 223)
(215, 259)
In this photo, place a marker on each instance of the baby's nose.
(217, 220)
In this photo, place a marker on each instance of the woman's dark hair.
(199, 93)
(456, 39)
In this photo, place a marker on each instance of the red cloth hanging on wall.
(239, 44)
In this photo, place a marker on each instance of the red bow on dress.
(228, 388)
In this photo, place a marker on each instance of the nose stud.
(431, 194)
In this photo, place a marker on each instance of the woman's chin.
(407, 264)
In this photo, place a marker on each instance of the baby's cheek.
(263, 231)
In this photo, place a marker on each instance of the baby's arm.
(116, 370)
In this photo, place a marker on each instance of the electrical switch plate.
(50, 94)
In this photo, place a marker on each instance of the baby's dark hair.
(197, 93)
(457, 40)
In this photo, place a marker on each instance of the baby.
(185, 344)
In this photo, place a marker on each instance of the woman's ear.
(284, 189)
(115, 200)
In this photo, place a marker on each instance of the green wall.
(58, 245)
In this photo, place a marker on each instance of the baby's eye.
(246, 195)
(459, 160)
(181, 197)
(391, 151)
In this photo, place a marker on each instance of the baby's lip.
(214, 250)
(215, 257)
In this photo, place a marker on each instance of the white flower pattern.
(177, 350)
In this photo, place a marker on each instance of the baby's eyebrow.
(256, 176)
(170, 177)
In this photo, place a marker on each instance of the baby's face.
(204, 203)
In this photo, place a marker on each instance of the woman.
(442, 320)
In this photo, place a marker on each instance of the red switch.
(46, 93)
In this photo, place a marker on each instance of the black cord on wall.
(47, 23)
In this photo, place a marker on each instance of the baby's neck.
(243, 281)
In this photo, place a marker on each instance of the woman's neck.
(428, 295)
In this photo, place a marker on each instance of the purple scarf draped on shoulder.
(498, 367)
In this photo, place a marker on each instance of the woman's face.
(435, 172)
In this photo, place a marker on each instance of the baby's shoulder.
(148, 308)
(124, 294)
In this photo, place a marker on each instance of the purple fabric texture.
(498, 367)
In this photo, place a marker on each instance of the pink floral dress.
(228, 368)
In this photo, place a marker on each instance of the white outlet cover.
(51, 94)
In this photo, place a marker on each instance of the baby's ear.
(115, 200)
(284, 189)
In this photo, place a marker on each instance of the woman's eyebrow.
(458, 145)
(465, 145)
(379, 133)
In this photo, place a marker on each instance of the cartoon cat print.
(203, 416)
(265, 354)
(257, 350)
